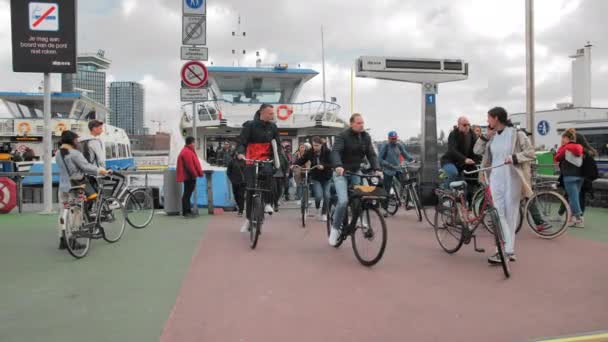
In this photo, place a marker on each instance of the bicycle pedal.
(480, 250)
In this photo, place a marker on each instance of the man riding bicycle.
(350, 148)
(460, 155)
(255, 143)
(390, 160)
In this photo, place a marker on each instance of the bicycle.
(541, 209)
(83, 219)
(404, 191)
(256, 217)
(305, 194)
(453, 218)
(138, 203)
(362, 210)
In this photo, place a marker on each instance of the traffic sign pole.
(48, 147)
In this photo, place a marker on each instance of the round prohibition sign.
(194, 74)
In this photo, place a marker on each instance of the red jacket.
(575, 149)
(188, 165)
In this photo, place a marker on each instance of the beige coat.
(524, 156)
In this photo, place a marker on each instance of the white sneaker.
(268, 209)
(245, 227)
(333, 237)
(114, 205)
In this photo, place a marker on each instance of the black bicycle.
(404, 192)
(256, 217)
(92, 217)
(363, 221)
(305, 194)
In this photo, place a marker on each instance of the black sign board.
(44, 36)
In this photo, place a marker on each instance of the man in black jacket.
(460, 155)
(255, 142)
(349, 150)
(319, 157)
(236, 174)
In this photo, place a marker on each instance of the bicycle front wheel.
(257, 217)
(139, 206)
(113, 219)
(369, 238)
(77, 237)
(304, 206)
(545, 215)
(416, 201)
(499, 240)
(449, 230)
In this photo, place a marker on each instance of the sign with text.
(194, 94)
(195, 53)
(44, 36)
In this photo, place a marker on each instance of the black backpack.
(589, 168)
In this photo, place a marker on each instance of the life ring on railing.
(284, 115)
(60, 127)
(8, 198)
(24, 128)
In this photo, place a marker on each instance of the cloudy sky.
(142, 38)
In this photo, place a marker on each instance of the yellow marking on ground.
(601, 337)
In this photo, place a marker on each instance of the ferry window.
(78, 109)
(254, 97)
(4, 112)
(114, 151)
(108, 151)
(14, 109)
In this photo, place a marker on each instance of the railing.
(238, 113)
(18, 178)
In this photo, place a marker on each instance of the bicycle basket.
(369, 192)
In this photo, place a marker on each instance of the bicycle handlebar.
(484, 169)
(269, 161)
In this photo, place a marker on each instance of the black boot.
(62, 243)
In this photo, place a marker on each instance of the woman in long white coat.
(503, 144)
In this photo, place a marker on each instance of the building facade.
(90, 79)
(127, 106)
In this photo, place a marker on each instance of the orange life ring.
(24, 128)
(285, 116)
(60, 127)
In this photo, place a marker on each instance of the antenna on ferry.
(236, 34)
(323, 62)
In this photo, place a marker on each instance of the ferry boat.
(22, 127)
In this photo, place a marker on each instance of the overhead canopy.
(251, 85)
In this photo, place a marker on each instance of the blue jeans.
(573, 187)
(453, 175)
(341, 185)
(321, 191)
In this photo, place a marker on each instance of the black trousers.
(189, 186)
(278, 189)
(238, 190)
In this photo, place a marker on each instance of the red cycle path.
(295, 287)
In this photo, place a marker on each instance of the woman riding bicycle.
(73, 169)
(319, 156)
(503, 144)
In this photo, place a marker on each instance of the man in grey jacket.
(92, 147)
(72, 165)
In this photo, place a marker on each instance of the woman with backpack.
(570, 159)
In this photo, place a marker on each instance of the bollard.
(209, 177)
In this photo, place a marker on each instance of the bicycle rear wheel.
(545, 206)
(369, 238)
(255, 225)
(448, 231)
(139, 205)
(77, 237)
(499, 240)
(113, 219)
(304, 206)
